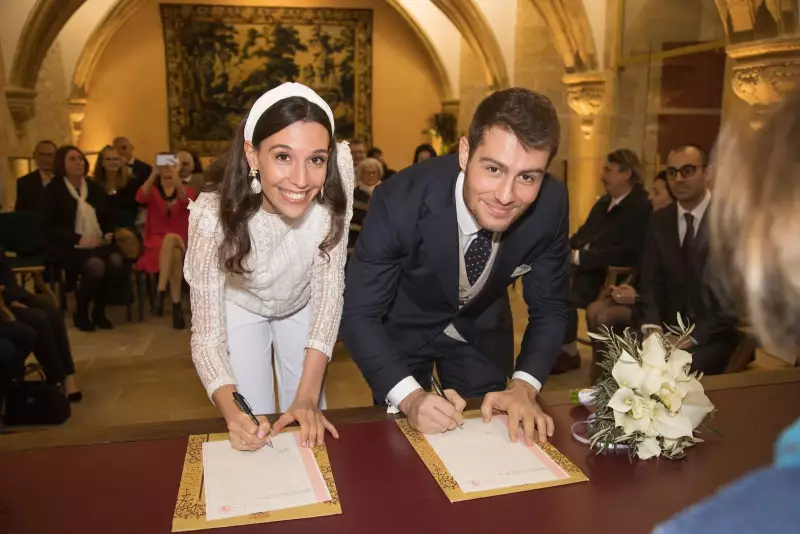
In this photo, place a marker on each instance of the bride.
(265, 264)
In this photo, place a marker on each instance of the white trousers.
(252, 341)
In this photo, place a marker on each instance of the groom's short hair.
(528, 115)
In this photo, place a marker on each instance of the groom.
(441, 243)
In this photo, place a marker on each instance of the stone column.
(764, 71)
(77, 112)
(21, 104)
(586, 96)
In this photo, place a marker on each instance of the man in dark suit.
(611, 236)
(30, 187)
(137, 168)
(673, 275)
(440, 247)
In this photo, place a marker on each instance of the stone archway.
(572, 33)
(48, 17)
(41, 28)
(573, 38)
(472, 25)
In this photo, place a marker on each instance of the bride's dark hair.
(229, 177)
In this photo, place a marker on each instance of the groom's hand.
(431, 414)
(518, 401)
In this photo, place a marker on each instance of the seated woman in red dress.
(166, 233)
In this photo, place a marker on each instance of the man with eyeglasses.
(674, 278)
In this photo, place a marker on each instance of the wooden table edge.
(30, 439)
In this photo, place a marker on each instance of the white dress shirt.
(468, 229)
(698, 213)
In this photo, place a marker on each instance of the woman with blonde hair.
(755, 223)
(113, 175)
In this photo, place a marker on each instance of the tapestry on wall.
(220, 59)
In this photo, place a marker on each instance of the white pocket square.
(519, 271)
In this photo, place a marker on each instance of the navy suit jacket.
(668, 287)
(402, 281)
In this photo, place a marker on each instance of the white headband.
(286, 90)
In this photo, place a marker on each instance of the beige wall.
(128, 89)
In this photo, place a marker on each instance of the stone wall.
(540, 68)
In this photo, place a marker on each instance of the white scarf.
(85, 217)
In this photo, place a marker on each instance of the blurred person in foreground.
(756, 253)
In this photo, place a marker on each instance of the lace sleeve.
(327, 277)
(207, 291)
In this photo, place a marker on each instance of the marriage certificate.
(223, 487)
(271, 478)
(480, 460)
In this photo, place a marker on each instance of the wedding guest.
(377, 153)
(755, 250)
(612, 235)
(359, 151)
(265, 265)
(165, 235)
(30, 188)
(78, 230)
(674, 276)
(368, 176)
(113, 176)
(660, 194)
(137, 168)
(614, 308)
(191, 170)
(49, 340)
(423, 152)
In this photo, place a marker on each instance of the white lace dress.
(288, 272)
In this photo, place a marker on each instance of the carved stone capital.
(765, 70)
(21, 104)
(77, 112)
(585, 94)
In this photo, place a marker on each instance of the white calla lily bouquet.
(646, 399)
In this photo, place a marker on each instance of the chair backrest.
(21, 232)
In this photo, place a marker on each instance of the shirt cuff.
(576, 257)
(525, 377)
(403, 389)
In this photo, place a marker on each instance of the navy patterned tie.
(477, 255)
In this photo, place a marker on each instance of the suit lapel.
(441, 237)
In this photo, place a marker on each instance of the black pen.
(437, 387)
(242, 404)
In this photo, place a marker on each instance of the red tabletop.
(384, 486)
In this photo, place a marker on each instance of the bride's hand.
(312, 422)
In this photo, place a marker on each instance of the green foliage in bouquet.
(646, 400)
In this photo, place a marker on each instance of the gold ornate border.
(190, 509)
(449, 485)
